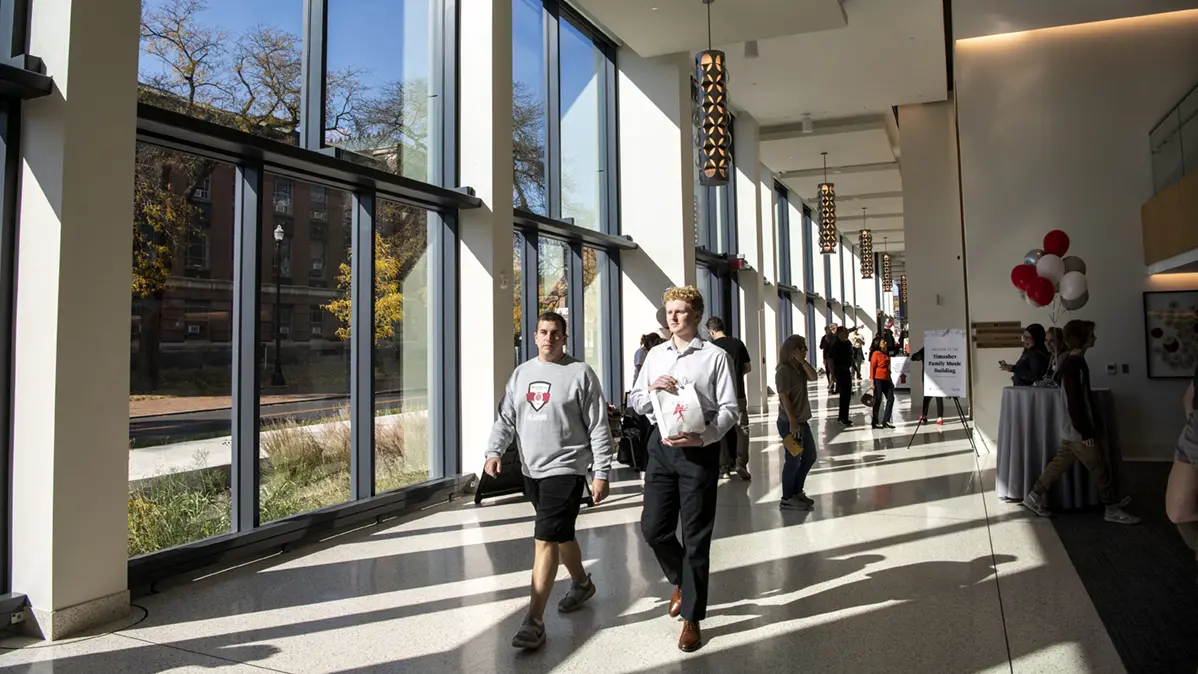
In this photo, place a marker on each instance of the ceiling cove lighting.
(827, 213)
(715, 134)
(887, 279)
(866, 240)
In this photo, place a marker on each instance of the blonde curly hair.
(688, 294)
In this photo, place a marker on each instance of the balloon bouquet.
(1047, 278)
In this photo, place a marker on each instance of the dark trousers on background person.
(1093, 458)
(883, 388)
(927, 401)
(844, 386)
(735, 454)
(681, 483)
(796, 468)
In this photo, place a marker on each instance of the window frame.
(254, 158)
(532, 227)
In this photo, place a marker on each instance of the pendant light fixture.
(715, 134)
(827, 213)
(903, 287)
(887, 279)
(866, 241)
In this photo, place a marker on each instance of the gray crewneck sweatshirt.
(558, 416)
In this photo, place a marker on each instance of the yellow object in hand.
(793, 444)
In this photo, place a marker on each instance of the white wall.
(1054, 134)
(932, 223)
(977, 18)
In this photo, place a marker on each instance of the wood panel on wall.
(1170, 221)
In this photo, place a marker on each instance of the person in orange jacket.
(879, 372)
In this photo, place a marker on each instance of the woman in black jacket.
(1033, 364)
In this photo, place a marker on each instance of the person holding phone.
(553, 408)
(683, 473)
(791, 377)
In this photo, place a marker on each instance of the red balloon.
(1056, 243)
(1022, 274)
(1040, 291)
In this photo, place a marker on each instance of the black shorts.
(557, 500)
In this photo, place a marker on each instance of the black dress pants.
(682, 483)
(844, 386)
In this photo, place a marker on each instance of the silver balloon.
(1074, 305)
(1033, 256)
(1075, 263)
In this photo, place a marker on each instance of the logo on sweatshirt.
(538, 395)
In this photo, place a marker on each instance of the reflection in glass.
(180, 350)
(305, 438)
(529, 128)
(378, 94)
(582, 68)
(518, 287)
(553, 282)
(594, 321)
(403, 318)
(237, 64)
(706, 284)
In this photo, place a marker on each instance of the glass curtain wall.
(563, 74)
(254, 395)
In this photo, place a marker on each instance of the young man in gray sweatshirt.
(554, 408)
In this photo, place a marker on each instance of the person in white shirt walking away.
(554, 408)
(683, 473)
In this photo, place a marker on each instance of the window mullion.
(312, 121)
(553, 120)
(575, 302)
(361, 346)
(444, 342)
(246, 373)
(530, 302)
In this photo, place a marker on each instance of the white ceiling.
(978, 18)
(848, 184)
(844, 149)
(657, 27)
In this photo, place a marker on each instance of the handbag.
(793, 444)
(678, 414)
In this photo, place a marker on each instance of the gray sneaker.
(1118, 515)
(577, 596)
(531, 635)
(1035, 503)
(794, 503)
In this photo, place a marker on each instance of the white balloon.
(1051, 267)
(1074, 263)
(1073, 285)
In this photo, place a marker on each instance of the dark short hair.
(553, 317)
(1077, 333)
(715, 324)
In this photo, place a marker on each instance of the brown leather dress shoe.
(676, 602)
(691, 638)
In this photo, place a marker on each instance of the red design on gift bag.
(678, 410)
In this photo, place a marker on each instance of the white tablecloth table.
(1029, 437)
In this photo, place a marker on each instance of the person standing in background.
(842, 364)
(1033, 363)
(927, 400)
(825, 347)
(553, 407)
(794, 415)
(858, 343)
(879, 373)
(736, 444)
(648, 341)
(1054, 340)
(1079, 435)
(1181, 496)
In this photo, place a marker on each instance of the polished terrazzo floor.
(908, 564)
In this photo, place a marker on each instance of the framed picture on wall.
(1171, 333)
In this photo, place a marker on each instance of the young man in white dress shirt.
(683, 473)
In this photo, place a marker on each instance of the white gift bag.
(678, 414)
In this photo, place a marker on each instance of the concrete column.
(769, 265)
(749, 218)
(932, 223)
(657, 193)
(70, 407)
(485, 107)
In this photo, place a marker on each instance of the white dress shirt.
(701, 363)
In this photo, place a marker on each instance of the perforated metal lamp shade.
(827, 218)
(715, 133)
(887, 279)
(903, 287)
(866, 239)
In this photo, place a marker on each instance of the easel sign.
(944, 372)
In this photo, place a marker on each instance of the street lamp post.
(276, 379)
